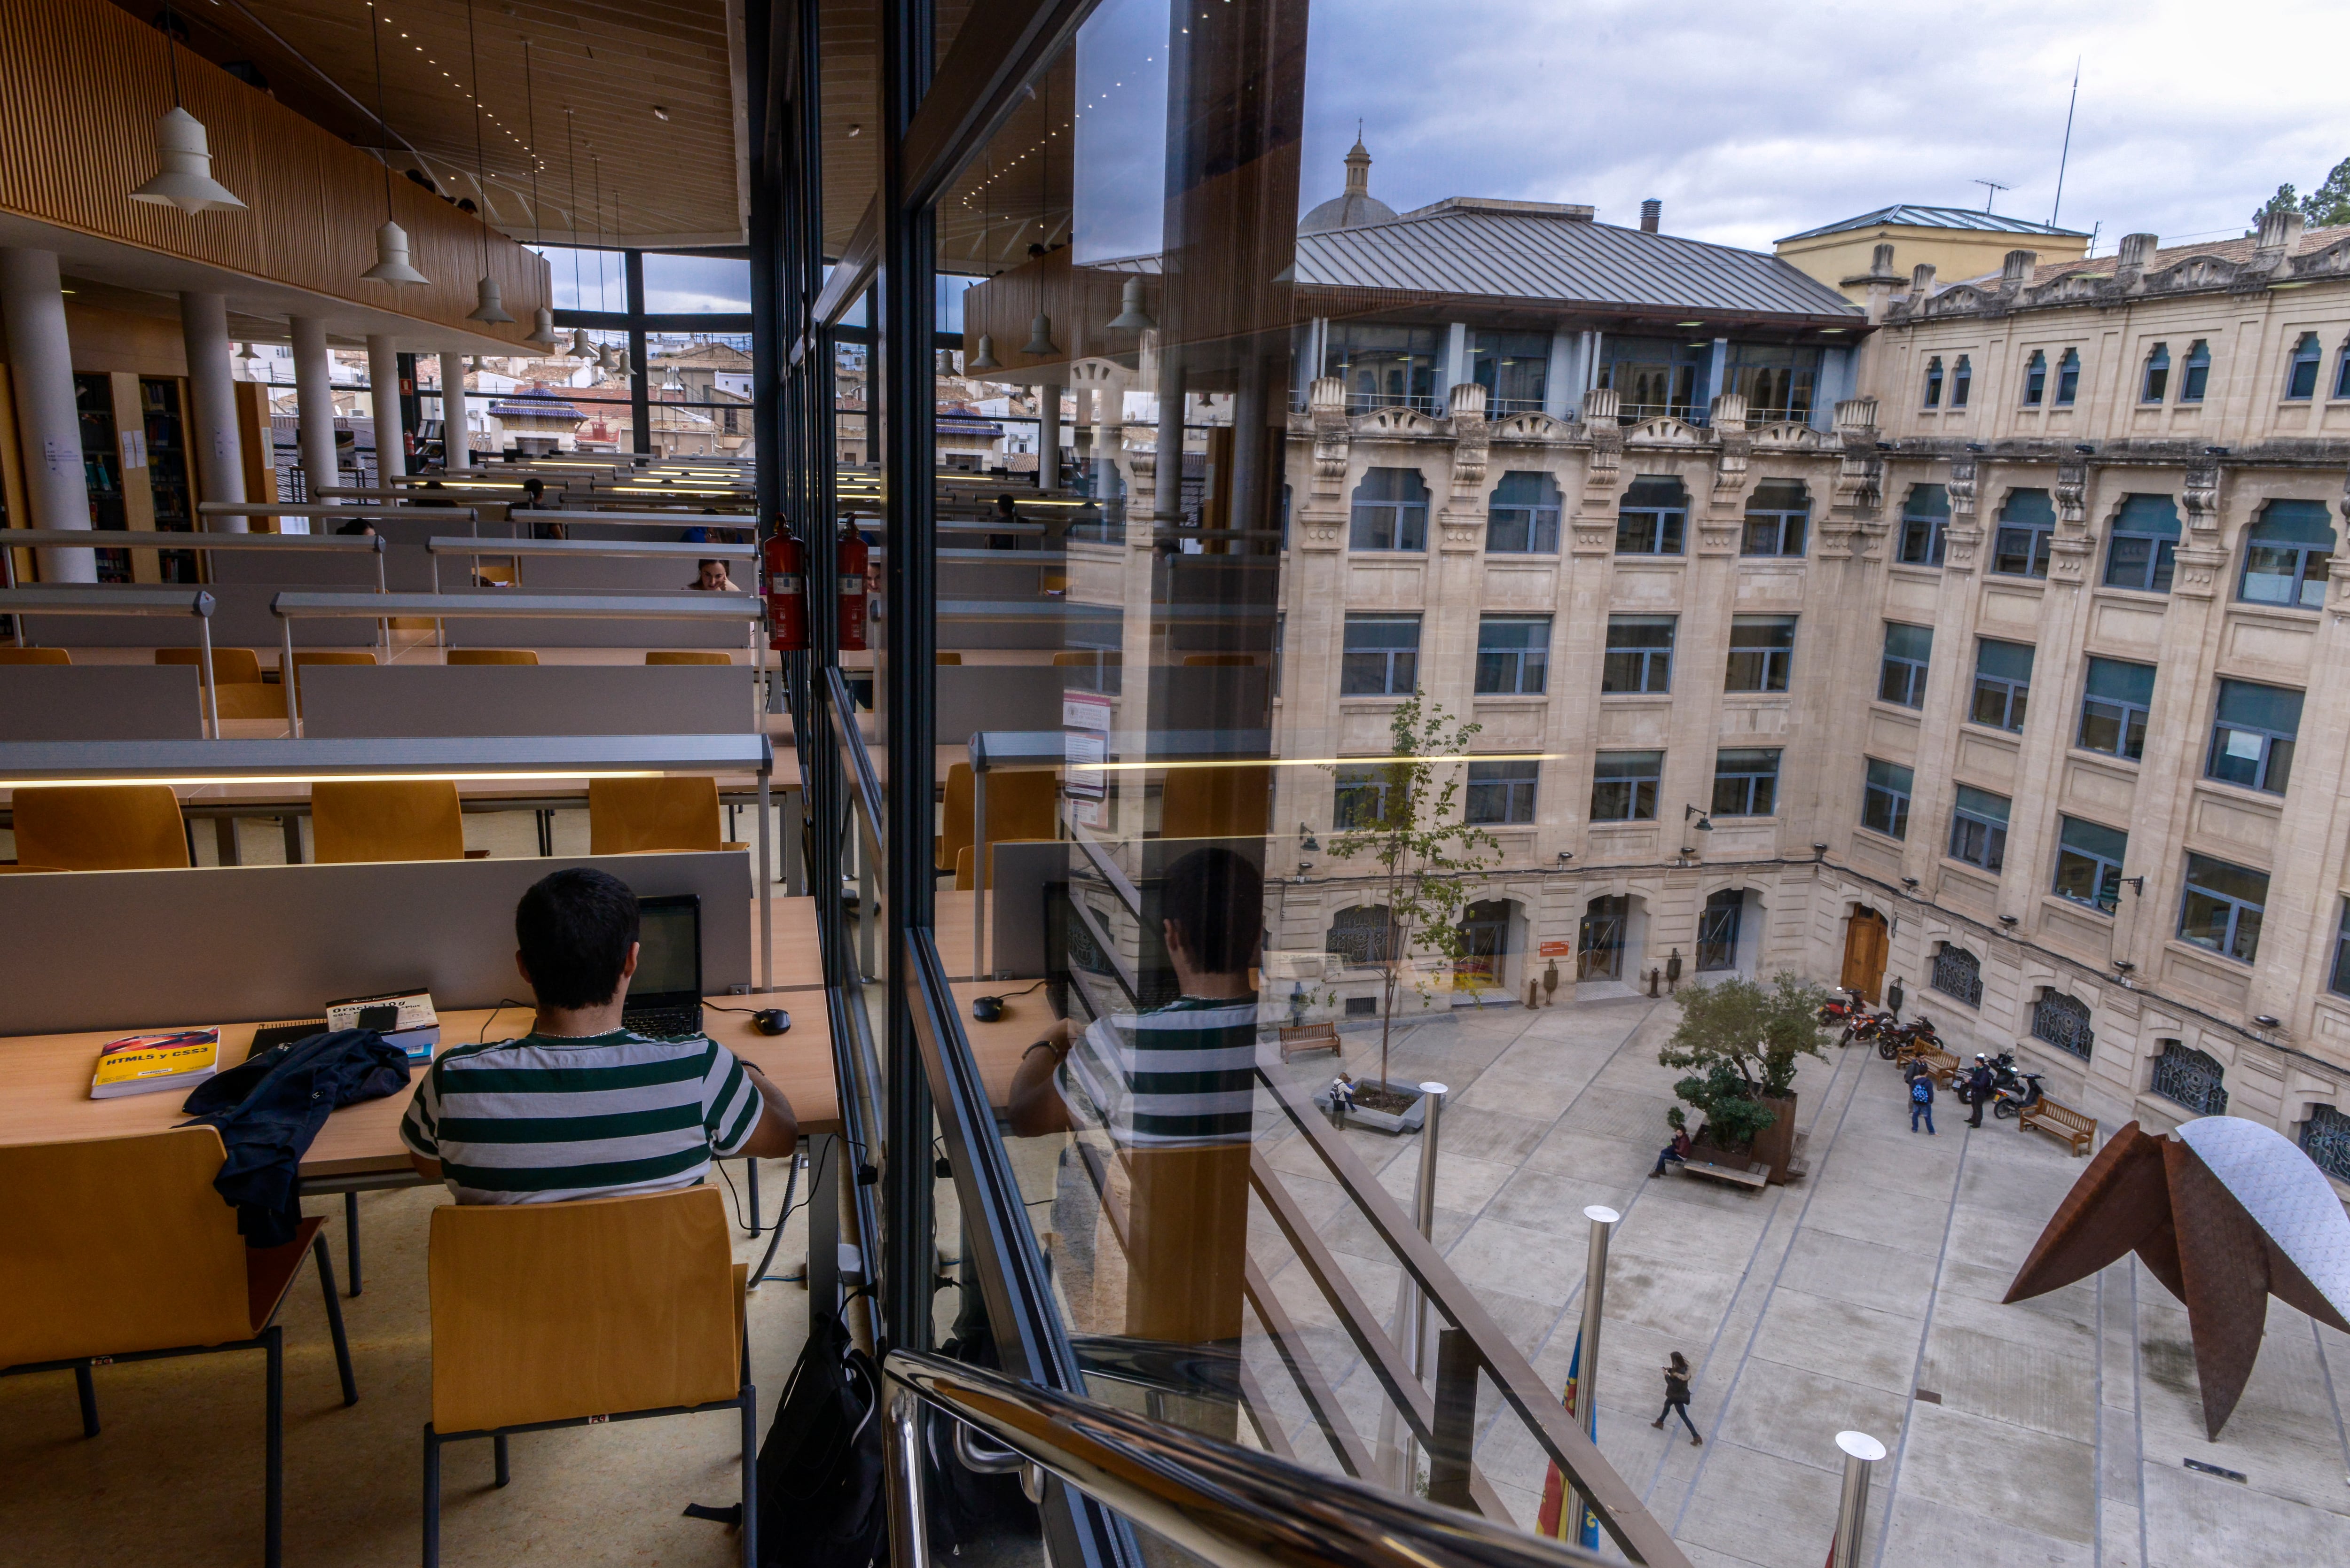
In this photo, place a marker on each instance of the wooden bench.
(2061, 1121)
(1940, 1064)
(1753, 1175)
(1304, 1039)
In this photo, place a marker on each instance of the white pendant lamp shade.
(488, 308)
(620, 363)
(582, 346)
(1040, 344)
(605, 358)
(985, 359)
(186, 180)
(542, 328)
(1132, 317)
(391, 257)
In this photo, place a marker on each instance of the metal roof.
(1907, 215)
(1561, 260)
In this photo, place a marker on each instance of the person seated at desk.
(580, 1107)
(714, 579)
(1005, 512)
(357, 528)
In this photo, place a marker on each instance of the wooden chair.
(968, 854)
(1088, 659)
(637, 816)
(1020, 804)
(230, 666)
(101, 827)
(386, 819)
(490, 656)
(302, 656)
(119, 1249)
(568, 1314)
(685, 656)
(948, 658)
(35, 656)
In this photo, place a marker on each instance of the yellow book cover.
(145, 1064)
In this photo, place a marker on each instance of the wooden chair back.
(386, 819)
(492, 656)
(250, 700)
(116, 1245)
(685, 656)
(1020, 804)
(948, 658)
(968, 854)
(1089, 658)
(1219, 660)
(548, 1312)
(1216, 802)
(35, 656)
(632, 817)
(230, 666)
(101, 827)
(331, 656)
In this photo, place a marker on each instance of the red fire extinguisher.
(854, 589)
(787, 616)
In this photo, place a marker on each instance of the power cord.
(503, 1002)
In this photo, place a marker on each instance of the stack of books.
(149, 1063)
(404, 1018)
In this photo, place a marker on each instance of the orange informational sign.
(1557, 949)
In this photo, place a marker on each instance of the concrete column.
(47, 424)
(211, 412)
(455, 443)
(314, 403)
(383, 387)
(1049, 437)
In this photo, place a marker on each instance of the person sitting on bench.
(580, 1107)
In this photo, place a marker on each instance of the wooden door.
(1865, 941)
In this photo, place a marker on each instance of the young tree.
(2328, 204)
(1407, 819)
(1742, 1043)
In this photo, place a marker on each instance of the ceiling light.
(1040, 344)
(1689, 322)
(1131, 318)
(489, 307)
(186, 180)
(582, 346)
(391, 264)
(542, 328)
(985, 359)
(659, 113)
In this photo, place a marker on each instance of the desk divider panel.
(151, 950)
(400, 701)
(973, 697)
(103, 701)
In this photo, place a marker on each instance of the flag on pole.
(1553, 1523)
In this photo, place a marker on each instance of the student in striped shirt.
(580, 1107)
(1172, 1092)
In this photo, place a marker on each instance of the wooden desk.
(997, 1047)
(45, 1083)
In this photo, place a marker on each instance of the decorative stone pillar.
(456, 441)
(48, 425)
(383, 390)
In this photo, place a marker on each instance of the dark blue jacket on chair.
(269, 1107)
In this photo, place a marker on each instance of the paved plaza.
(1866, 1295)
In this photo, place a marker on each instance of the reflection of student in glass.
(714, 578)
(1172, 1091)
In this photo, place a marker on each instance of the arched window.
(1962, 377)
(1652, 516)
(1359, 935)
(2027, 532)
(2287, 555)
(1522, 516)
(2301, 370)
(2325, 1138)
(2195, 373)
(2156, 383)
(1934, 382)
(2068, 377)
(2035, 380)
(2192, 1079)
(1775, 515)
(1390, 511)
(2063, 1022)
(1957, 973)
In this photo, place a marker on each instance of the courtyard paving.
(1866, 1295)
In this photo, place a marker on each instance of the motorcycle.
(2013, 1100)
(1845, 1008)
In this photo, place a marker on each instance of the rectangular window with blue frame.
(2002, 683)
(1925, 523)
(1501, 793)
(1908, 652)
(1746, 781)
(2339, 982)
(1513, 655)
(2288, 556)
(1978, 829)
(2114, 708)
(1624, 785)
(2222, 907)
(2141, 553)
(2027, 528)
(1381, 657)
(1885, 799)
(2089, 863)
(2253, 735)
(1639, 655)
(1762, 653)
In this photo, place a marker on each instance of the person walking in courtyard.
(1921, 1102)
(1677, 1397)
(1979, 1082)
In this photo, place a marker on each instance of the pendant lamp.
(582, 346)
(541, 320)
(542, 328)
(605, 359)
(488, 308)
(1040, 344)
(1132, 317)
(985, 359)
(391, 264)
(620, 363)
(186, 180)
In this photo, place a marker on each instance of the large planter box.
(1774, 1146)
(1410, 1121)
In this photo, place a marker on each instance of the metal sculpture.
(2226, 1213)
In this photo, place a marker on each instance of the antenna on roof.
(1991, 192)
(2066, 156)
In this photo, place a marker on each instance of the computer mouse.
(771, 1021)
(987, 1009)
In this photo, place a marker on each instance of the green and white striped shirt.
(1178, 1076)
(544, 1119)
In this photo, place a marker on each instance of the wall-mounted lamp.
(2007, 920)
(2267, 1020)
(2124, 965)
(1884, 446)
(1304, 866)
(1306, 842)
(1564, 856)
(1977, 446)
(2215, 452)
(1819, 851)
(2136, 885)
(1704, 823)
(1911, 883)
(2084, 448)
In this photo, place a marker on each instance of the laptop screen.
(669, 957)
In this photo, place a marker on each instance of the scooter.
(2014, 1100)
(1845, 1008)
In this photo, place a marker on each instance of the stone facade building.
(1966, 640)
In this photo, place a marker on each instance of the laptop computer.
(665, 997)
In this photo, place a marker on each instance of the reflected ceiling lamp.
(984, 359)
(185, 181)
(391, 263)
(488, 308)
(541, 320)
(1040, 344)
(1132, 317)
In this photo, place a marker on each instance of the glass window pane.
(2091, 838)
(2121, 682)
(2003, 661)
(2273, 708)
(1983, 803)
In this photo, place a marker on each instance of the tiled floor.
(2063, 1422)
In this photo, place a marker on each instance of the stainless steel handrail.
(1238, 1508)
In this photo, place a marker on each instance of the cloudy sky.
(1753, 121)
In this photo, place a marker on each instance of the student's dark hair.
(699, 564)
(1217, 901)
(1680, 1362)
(355, 526)
(575, 929)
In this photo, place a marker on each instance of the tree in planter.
(1405, 817)
(1741, 1043)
